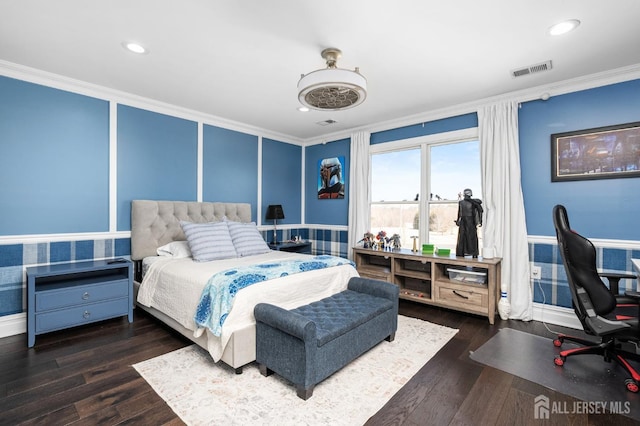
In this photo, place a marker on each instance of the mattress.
(174, 286)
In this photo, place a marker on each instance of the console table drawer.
(82, 294)
(466, 297)
(382, 276)
(59, 319)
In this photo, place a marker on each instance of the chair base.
(608, 349)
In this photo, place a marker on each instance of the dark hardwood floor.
(84, 376)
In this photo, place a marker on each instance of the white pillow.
(247, 239)
(175, 249)
(209, 241)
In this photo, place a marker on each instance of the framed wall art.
(599, 153)
(331, 178)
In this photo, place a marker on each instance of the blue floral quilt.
(221, 289)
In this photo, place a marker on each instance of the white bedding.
(174, 286)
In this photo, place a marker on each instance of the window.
(401, 172)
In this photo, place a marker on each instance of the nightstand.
(292, 247)
(66, 295)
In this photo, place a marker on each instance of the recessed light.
(134, 47)
(564, 27)
(303, 109)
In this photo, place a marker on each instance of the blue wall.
(157, 159)
(606, 208)
(54, 169)
(450, 124)
(553, 289)
(54, 160)
(230, 167)
(326, 211)
(282, 179)
(55, 174)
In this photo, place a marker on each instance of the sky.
(454, 167)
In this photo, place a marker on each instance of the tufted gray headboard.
(156, 223)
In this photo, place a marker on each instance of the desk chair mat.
(585, 377)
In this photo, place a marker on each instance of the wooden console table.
(461, 283)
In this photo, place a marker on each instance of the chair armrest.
(376, 288)
(633, 294)
(289, 322)
(614, 280)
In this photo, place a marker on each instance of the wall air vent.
(326, 122)
(545, 66)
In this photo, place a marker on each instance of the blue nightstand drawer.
(68, 317)
(61, 295)
(80, 294)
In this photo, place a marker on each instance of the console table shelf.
(65, 295)
(472, 287)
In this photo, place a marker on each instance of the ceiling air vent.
(326, 122)
(545, 66)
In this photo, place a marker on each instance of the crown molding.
(33, 75)
(591, 81)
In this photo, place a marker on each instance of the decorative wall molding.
(618, 244)
(33, 75)
(45, 238)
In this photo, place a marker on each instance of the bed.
(173, 284)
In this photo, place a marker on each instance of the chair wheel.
(632, 385)
(559, 361)
(557, 343)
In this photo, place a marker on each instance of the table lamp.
(275, 212)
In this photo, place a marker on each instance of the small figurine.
(381, 239)
(395, 241)
(469, 217)
(367, 240)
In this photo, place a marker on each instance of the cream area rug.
(201, 392)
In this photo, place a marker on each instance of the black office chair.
(596, 306)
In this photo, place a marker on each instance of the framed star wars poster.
(331, 178)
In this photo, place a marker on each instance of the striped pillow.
(247, 239)
(209, 241)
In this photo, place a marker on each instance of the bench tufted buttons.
(341, 312)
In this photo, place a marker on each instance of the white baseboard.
(556, 315)
(11, 325)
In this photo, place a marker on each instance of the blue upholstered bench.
(307, 344)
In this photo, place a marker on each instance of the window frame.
(424, 143)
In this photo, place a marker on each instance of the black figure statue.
(469, 217)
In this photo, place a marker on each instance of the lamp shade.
(274, 211)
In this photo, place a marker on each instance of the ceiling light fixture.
(564, 27)
(332, 88)
(134, 47)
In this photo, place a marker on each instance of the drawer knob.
(85, 296)
(86, 315)
(459, 295)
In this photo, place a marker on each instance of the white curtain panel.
(504, 225)
(358, 189)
